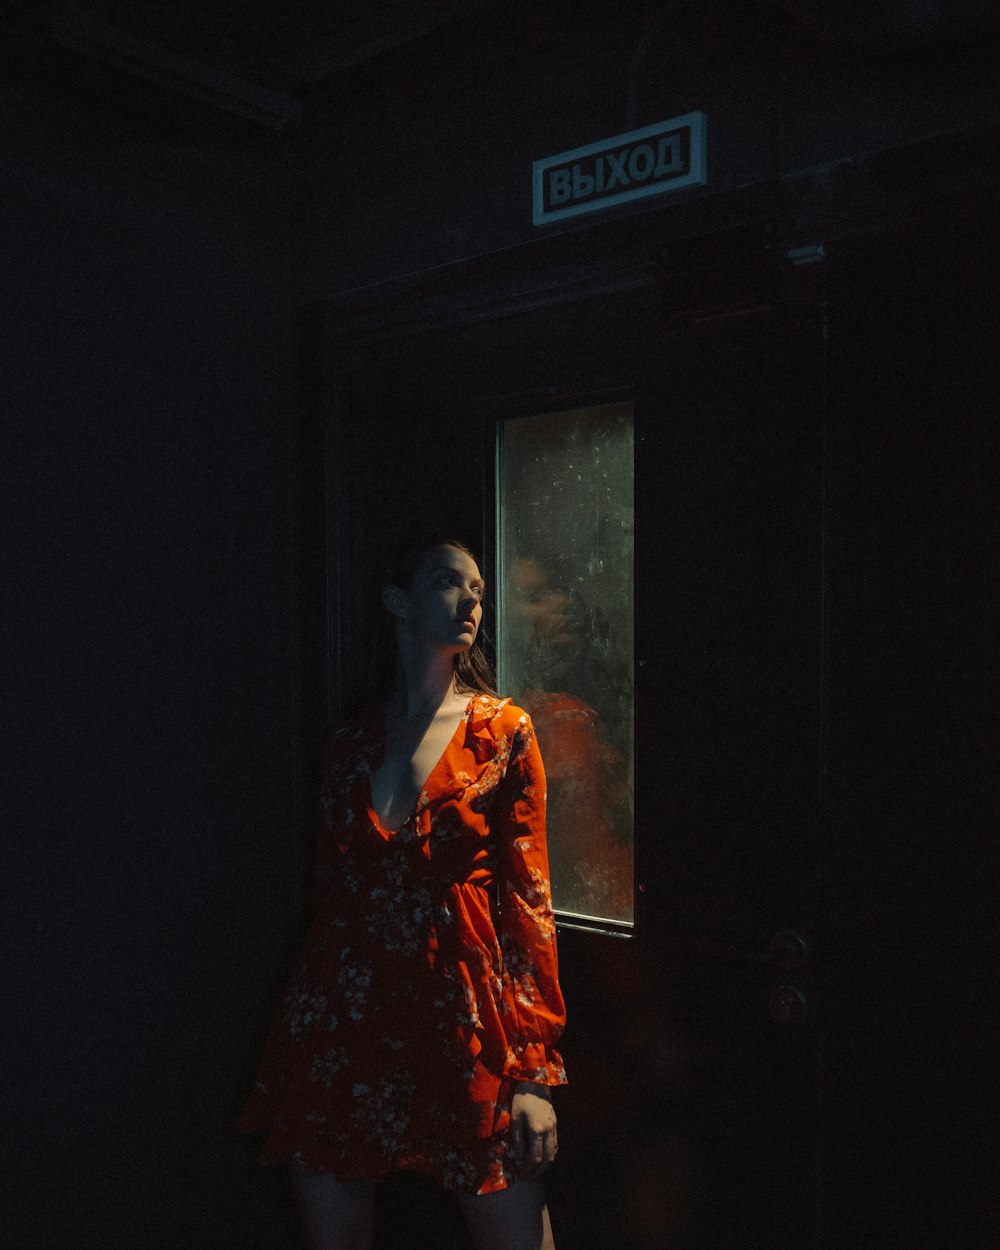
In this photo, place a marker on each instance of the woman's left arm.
(535, 1013)
(533, 1002)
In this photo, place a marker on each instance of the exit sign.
(651, 161)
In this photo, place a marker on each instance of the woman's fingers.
(545, 1147)
(533, 1139)
(541, 1153)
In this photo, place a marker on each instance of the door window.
(565, 534)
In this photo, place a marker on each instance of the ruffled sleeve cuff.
(536, 1063)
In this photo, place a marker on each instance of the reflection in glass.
(565, 544)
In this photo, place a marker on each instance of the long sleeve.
(534, 1011)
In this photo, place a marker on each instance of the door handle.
(787, 950)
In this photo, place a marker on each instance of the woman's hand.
(532, 1140)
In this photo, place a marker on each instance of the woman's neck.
(423, 684)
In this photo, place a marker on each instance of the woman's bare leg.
(336, 1215)
(515, 1218)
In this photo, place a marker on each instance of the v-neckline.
(415, 806)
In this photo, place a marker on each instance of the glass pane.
(565, 543)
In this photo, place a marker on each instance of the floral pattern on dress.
(428, 983)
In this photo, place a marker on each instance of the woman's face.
(536, 601)
(443, 605)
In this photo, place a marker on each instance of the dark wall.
(150, 673)
(161, 501)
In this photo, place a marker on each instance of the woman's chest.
(413, 760)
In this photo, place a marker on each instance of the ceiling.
(290, 44)
(286, 45)
(262, 60)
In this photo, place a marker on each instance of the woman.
(419, 1026)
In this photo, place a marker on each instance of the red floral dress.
(428, 982)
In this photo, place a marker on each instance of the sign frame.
(695, 174)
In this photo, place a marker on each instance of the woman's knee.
(515, 1218)
(336, 1215)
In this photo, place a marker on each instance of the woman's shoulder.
(499, 713)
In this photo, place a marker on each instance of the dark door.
(730, 603)
(724, 1059)
(691, 1117)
